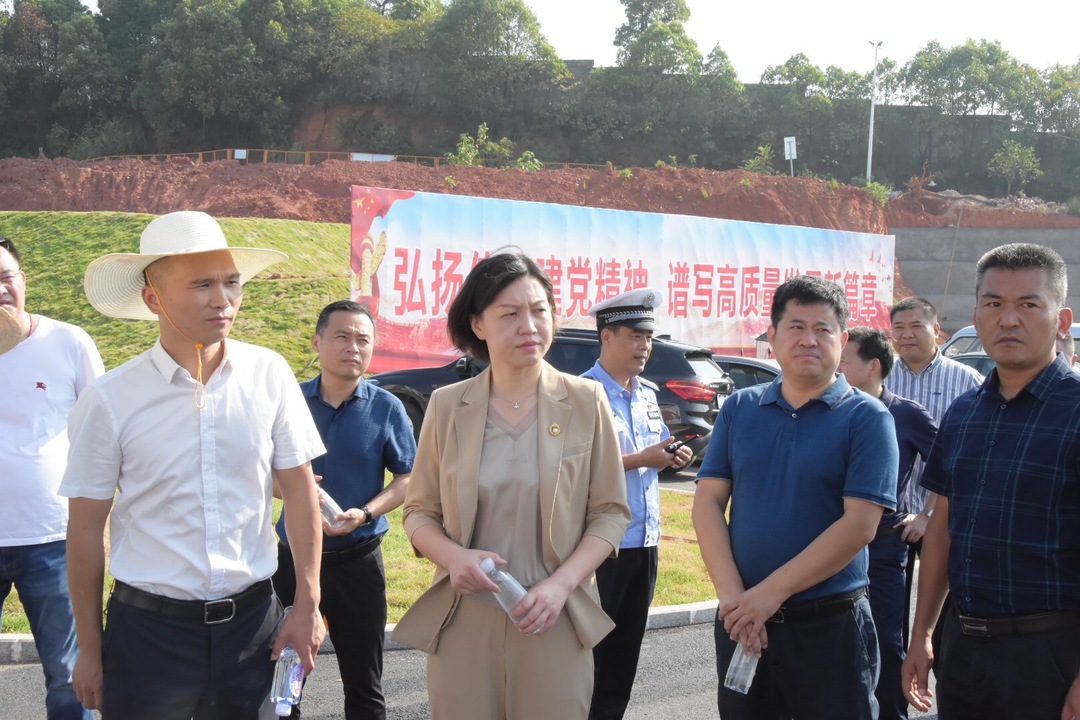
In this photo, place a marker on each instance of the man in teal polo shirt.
(809, 464)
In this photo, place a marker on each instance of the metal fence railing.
(308, 157)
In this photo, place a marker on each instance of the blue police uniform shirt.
(640, 424)
(791, 469)
(367, 435)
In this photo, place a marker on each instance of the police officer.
(625, 324)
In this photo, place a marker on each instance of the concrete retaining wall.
(939, 264)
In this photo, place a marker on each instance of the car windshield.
(706, 369)
(964, 345)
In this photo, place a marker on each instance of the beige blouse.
(508, 504)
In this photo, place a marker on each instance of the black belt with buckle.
(820, 608)
(209, 612)
(1015, 624)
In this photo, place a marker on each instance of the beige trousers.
(486, 669)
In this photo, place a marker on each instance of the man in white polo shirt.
(180, 443)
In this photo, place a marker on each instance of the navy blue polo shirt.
(1011, 472)
(915, 431)
(791, 469)
(364, 437)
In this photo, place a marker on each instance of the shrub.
(1072, 207)
(761, 162)
(878, 191)
(528, 161)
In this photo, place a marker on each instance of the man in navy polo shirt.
(865, 362)
(1004, 540)
(809, 464)
(366, 432)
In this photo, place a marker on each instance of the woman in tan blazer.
(521, 464)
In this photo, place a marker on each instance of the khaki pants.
(485, 669)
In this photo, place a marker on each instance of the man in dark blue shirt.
(366, 432)
(1005, 537)
(808, 464)
(865, 362)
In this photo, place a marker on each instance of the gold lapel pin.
(554, 429)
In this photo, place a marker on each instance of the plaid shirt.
(935, 388)
(1011, 472)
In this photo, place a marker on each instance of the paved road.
(676, 681)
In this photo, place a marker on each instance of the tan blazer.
(582, 489)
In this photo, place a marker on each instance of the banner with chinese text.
(412, 250)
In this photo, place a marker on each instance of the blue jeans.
(39, 573)
(888, 561)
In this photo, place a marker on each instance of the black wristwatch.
(368, 517)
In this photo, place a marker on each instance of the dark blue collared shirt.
(915, 431)
(365, 436)
(1011, 472)
(791, 470)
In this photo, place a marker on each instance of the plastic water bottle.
(330, 510)
(510, 590)
(288, 679)
(740, 671)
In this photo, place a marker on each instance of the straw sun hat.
(114, 283)
(11, 331)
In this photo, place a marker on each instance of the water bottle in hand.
(330, 510)
(740, 671)
(288, 679)
(510, 590)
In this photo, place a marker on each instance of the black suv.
(692, 386)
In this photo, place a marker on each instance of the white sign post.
(789, 152)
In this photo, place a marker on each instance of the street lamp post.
(873, 96)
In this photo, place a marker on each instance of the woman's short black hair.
(483, 284)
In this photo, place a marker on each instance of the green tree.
(206, 82)
(404, 9)
(489, 58)
(1016, 163)
(1058, 107)
(33, 59)
(644, 14)
(89, 81)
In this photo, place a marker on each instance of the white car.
(965, 340)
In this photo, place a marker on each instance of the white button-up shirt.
(191, 517)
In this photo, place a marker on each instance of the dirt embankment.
(320, 193)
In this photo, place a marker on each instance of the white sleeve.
(296, 439)
(94, 456)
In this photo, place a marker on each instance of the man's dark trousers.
(888, 560)
(1013, 677)
(177, 669)
(354, 605)
(817, 669)
(626, 585)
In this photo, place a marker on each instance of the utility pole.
(873, 96)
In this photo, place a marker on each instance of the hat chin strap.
(200, 388)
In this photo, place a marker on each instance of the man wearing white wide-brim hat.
(180, 443)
